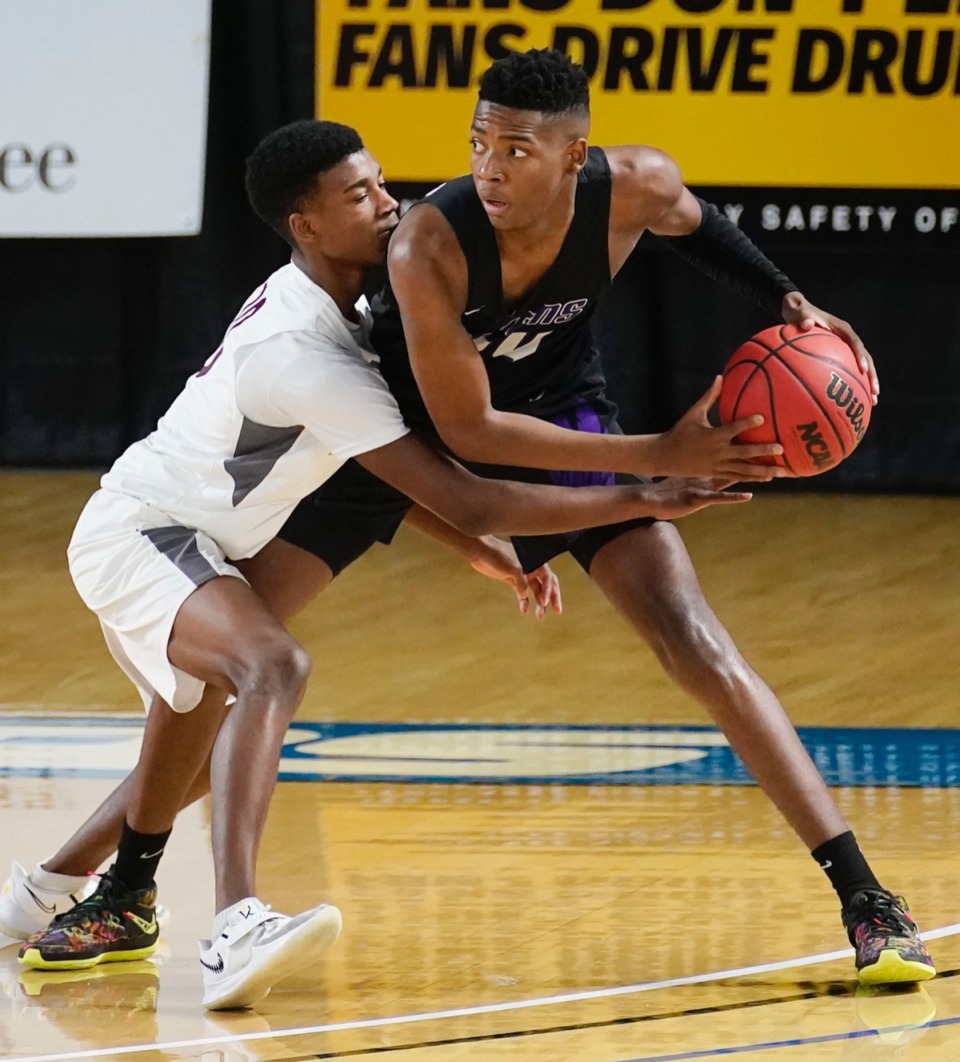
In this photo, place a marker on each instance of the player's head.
(529, 133)
(316, 185)
(542, 79)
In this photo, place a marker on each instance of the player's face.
(351, 212)
(521, 161)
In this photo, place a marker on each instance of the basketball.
(814, 399)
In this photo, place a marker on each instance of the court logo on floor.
(575, 755)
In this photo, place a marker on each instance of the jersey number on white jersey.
(249, 308)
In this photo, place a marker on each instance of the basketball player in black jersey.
(483, 335)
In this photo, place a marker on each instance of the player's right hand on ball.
(693, 447)
(679, 496)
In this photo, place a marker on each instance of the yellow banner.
(811, 93)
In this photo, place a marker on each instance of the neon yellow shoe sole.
(32, 958)
(891, 968)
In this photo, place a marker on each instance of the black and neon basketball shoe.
(113, 924)
(886, 939)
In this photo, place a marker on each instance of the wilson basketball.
(814, 399)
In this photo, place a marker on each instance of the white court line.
(466, 1012)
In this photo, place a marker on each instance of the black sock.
(842, 861)
(138, 857)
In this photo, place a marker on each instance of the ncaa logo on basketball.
(841, 394)
(815, 445)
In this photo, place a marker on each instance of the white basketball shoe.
(26, 907)
(258, 948)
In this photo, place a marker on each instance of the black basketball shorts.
(597, 416)
(341, 520)
(353, 510)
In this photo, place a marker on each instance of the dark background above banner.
(98, 336)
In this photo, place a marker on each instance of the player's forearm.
(506, 508)
(524, 441)
(726, 254)
(431, 525)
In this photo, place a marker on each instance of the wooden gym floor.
(604, 887)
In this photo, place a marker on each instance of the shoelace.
(884, 911)
(100, 897)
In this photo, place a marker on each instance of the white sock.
(223, 918)
(51, 882)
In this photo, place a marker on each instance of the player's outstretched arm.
(429, 277)
(478, 506)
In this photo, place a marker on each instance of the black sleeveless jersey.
(538, 352)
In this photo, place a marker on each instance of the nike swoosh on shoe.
(216, 967)
(142, 923)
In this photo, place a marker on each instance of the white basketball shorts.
(134, 568)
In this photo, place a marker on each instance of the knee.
(290, 665)
(693, 646)
(279, 670)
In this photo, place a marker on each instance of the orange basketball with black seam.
(814, 399)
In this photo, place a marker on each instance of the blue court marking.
(845, 756)
(719, 1052)
(515, 754)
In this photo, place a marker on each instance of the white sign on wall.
(103, 116)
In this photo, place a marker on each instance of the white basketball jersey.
(290, 395)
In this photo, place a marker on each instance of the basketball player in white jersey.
(288, 398)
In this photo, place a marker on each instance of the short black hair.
(283, 168)
(542, 79)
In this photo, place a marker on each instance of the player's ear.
(301, 228)
(577, 154)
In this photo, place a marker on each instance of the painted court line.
(489, 1008)
(773, 1045)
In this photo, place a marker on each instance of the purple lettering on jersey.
(249, 308)
(210, 362)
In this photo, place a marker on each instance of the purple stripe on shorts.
(583, 418)
(587, 419)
